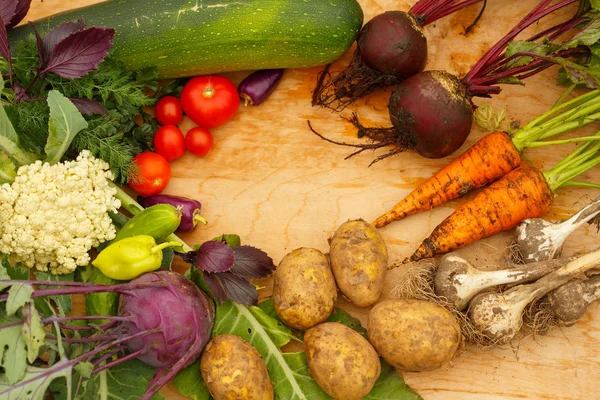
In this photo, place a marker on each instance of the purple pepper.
(190, 209)
(259, 85)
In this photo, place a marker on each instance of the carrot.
(493, 156)
(524, 192)
(486, 161)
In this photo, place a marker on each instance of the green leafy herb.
(487, 119)
(65, 122)
(9, 140)
(189, 382)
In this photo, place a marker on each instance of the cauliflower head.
(52, 215)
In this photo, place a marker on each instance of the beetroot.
(390, 48)
(432, 113)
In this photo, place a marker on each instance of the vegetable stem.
(579, 161)
(164, 245)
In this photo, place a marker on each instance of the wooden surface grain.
(278, 186)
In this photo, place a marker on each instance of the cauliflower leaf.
(65, 122)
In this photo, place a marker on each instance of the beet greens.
(432, 111)
(390, 48)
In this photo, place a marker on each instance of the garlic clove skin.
(539, 240)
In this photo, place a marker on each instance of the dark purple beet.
(259, 85)
(393, 43)
(433, 107)
(190, 209)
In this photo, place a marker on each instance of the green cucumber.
(104, 303)
(196, 37)
(158, 221)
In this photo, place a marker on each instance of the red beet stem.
(539, 12)
(428, 11)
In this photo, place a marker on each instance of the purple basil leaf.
(88, 107)
(20, 92)
(41, 48)
(215, 285)
(250, 262)
(21, 10)
(238, 289)
(56, 35)
(4, 47)
(214, 257)
(80, 52)
(8, 10)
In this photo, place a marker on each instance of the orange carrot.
(522, 193)
(494, 155)
(486, 161)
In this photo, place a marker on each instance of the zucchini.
(195, 37)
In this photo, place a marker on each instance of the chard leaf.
(13, 351)
(21, 10)
(214, 257)
(288, 371)
(7, 169)
(65, 122)
(80, 52)
(88, 107)
(18, 295)
(250, 262)
(189, 382)
(391, 386)
(9, 140)
(33, 332)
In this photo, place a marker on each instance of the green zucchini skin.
(197, 37)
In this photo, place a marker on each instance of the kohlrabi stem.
(89, 339)
(90, 288)
(84, 317)
(118, 361)
(129, 204)
(108, 355)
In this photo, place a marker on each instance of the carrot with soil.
(495, 155)
(390, 48)
(432, 111)
(525, 192)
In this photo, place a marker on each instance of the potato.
(234, 370)
(414, 335)
(359, 259)
(341, 361)
(304, 290)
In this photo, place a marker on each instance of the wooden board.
(278, 186)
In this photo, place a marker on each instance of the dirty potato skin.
(414, 335)
(359, 259)
(304, 290)
(341, 361)
(234, 370)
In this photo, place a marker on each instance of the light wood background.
(278, 186)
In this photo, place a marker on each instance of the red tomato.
(210, 100)
(168, 111)
(169, 142)
(199, 141)
(153, 174)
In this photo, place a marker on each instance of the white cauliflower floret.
(52, 215)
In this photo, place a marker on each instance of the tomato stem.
(208, 92)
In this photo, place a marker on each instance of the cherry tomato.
(169, 142)
(153, 174)
(168, 111)
(210, 100)
(199, 141)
